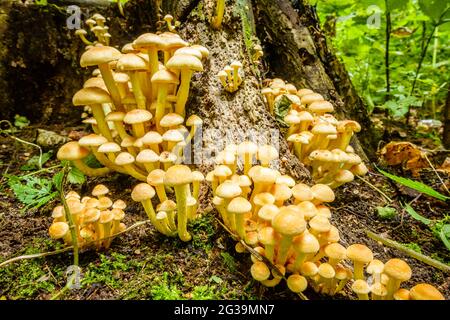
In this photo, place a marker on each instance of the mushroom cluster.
(316, 137)
(138, 105)
(170, 217)
(168, 18)
(97, 27)
(229, 77)
(97, 219)
(288, 225)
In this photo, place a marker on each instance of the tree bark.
(446, 134)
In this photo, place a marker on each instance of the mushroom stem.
(217, 20)
(99, 115)
(131, 170)
(160, 105)
(118, 125)
(183, 91)
(106, 234)
(392, 286)
(181, 191)
(269, 251)
(283, 249)
(137, 90)
(85, 41)
(148, 207)
(195, 194)
(111, 85)
(161, 192)
(358, 270)
(92, 172)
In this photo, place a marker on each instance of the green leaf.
(396, 4)
(281, 107)
(216, 279)
(92, 161)
(58, 179)
(32, 191)
(413, 213)
(434, 9)
(21, 121)
(444, 235)
(386, 212)
(416, 185)
(33, 162)
(75, 176)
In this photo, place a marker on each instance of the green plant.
(163, 290)
(386, 212)
(228, 260)
(36, 162)
(204, 293)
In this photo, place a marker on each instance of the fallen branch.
(69, 248)
(421, 257)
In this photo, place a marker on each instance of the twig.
(375, 188)
(437, 174)
(421, 257)
(69, 248)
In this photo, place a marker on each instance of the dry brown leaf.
(406, 154)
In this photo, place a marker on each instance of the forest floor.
(142, 264)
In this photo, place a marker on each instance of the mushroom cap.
(360, 287)
(119, 204)
(148, 40)
(332, 235)
(128, 142)
(90, 21)
(264, 175)
(378, 289)
(267, 153)
(341, 272)
(308, 209)
(236, 64)
(142, 191)
(281, 192)
(305, 116)
(225, 157)
(288, 222)
(137, 116)
(244, 181)
(128, 48)
(58, 212)
(72, 151)
(397, 269)
(425, 291)
(359, 169)
(344, 176)
(263, 198)
(286, 180)
(172, 41)
(320, 107)
(326, 271)
(91, 121)
(167, 205)
(172, 136)
(178, 175)
(239, 205)
(104, 203)
(147, 156)
(402, 294)
(306, 243)
(322, 155)
(95, 82)
(109, 147)
(115, 116)
(131, 62)
(322, 193)
(335, 251)
(152, 137)
(310, 98)
(247, 147)
(222, 171)
(304, 92)
(165, 77)
(297, 283)
(260, 271)
(124, 158)
(348, 125)
(309, 269)
(320, 224)
(302, 192)
(375, 267)
(99, 55)
(268, 212)
(184, 61)
(58, 230)
(197, 176)
(91, 215)
(189, 51)
(359, 253)
(91, 95)
(218, 201)
(323, 128)
(228, 189)
(202, 49)
(106, 216)
(323, 211)
(167, 157)
(100, 190)
(156, 177)
(267, 236)
(118, 214)
(291, 88)
(171, 120)
(194, 120)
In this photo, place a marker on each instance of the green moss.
(229, 262)
(203, 230)
(413, 246)
(164, 290)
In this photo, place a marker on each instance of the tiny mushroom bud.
(297, 283)
(260, 271)
(398, 271)
(360, 255)
(361, 288)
